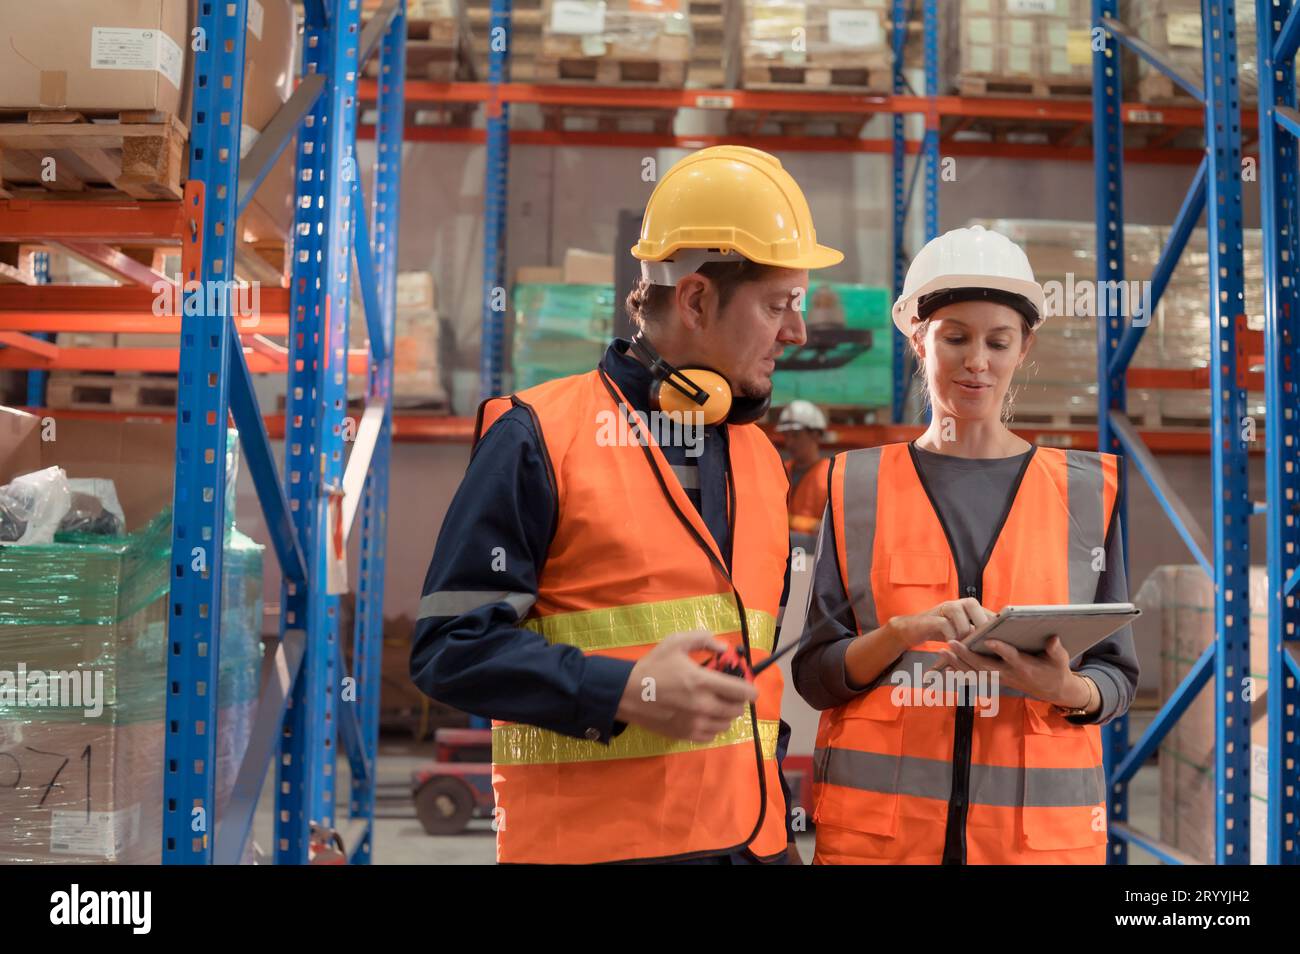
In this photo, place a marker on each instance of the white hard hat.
(801, 415)
(970, 263)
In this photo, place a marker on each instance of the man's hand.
(1046, 676)
(672, 694)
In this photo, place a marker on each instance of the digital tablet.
(1028, 628)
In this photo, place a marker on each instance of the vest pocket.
(859, 769)
(1065, 787)
(919, 569)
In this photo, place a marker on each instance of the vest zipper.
(954, 842)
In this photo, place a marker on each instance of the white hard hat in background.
(973, 258)
(801, 415)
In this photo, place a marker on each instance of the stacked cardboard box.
(1058, 383)
(811, 44)
(1173, 28)
(1010, 47)
(130, 60)
(614, 41)
(417, 369)
(1178, 609)
(97, 606)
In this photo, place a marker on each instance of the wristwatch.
(1092, 688)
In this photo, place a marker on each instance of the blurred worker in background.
(803, 424)
(580, 578)
(938, 536)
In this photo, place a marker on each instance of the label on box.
(593, 44)
(119, 48)
(1022, 7)
(100, 834)
(256, 15)
(578, 16)
(1183, 29)
(1078, 47)
(676, 24)
(858, 28)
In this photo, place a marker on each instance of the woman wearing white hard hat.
(932, 538)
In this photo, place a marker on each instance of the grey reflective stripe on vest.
(688, 475)
(1007, 786)
(861, 474)
(1086, 486)
(459, 602)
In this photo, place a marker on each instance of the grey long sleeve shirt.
(971, 495)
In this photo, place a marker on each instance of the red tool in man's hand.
(732, 662)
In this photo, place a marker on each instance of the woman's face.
(971, 350)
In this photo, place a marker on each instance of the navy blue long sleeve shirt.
(468, 649)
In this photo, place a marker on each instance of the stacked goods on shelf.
(115, 119)
(525, 37)
(634, 42)
(789, 44)
(81, 777)
(1173, 28)
(707, 46)
(864, 382)
(1057, 385)
(1019, 47)
(1178, 609)
(562, 329)
(438, 46)
(417, 368)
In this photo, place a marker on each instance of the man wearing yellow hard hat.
(617, 530)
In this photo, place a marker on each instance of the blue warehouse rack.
(1279, 124)
(928, 160)
(308, 699)
(1216, 187)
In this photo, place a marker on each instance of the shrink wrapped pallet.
(1019, 47)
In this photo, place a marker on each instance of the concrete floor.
(399, 839)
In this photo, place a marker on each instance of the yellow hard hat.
(736, 200)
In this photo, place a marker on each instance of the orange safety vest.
(807, 500)
(627, 567)
(1027, 784)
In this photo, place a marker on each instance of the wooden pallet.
(141, 154)
(117, 392)
(748, 122)
(609, 71)
(1157, 88)
(610, 119)
(1039, 88)
(778, 76)
(1055, 415)
(439, 50)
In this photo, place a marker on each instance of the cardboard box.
(539, 275)
(109, 55)
(268, 84)
(588, 268)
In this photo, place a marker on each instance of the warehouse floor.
(399, 839)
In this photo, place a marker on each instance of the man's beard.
(756, 391)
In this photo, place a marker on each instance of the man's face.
(760, 320)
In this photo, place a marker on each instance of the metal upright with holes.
(927, 161)
(1278, 35)
(1225, 555)
(308, 700)
(496, 175)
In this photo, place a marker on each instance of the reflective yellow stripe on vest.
(518, 744)
(648, 623)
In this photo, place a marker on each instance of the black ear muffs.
(694, 390)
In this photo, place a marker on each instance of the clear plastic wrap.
(93, 610)
(619, 29)
(867, 380)
(1173, 28)
(32, 506)
(841, 33)
(560, 330)
(1027, 41)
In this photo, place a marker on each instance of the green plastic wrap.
(867, 380)
(97, 606)
(560, 330)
